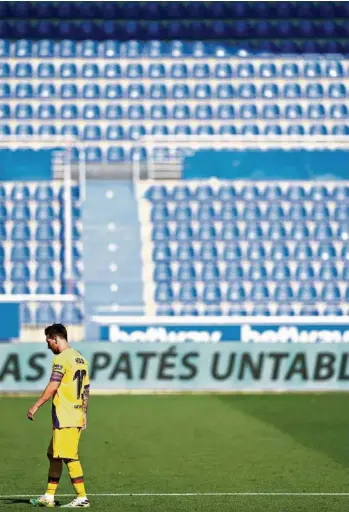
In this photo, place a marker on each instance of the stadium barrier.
(226, 367)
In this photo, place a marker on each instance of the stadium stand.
(225, 248)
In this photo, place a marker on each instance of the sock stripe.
(78, 480)
(53, 480)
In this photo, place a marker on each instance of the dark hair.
(56, 330)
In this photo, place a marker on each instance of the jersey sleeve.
(59, 369)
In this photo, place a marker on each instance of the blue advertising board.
(224, 329)
(10, 321)
(186, 367)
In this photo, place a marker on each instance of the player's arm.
(85, 397)
(48, 393)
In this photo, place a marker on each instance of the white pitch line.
(192, 494)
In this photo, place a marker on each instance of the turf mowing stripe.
(193, 494)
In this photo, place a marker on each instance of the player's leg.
(71, 458)
(54, 475)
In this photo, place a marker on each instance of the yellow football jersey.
(69, 368)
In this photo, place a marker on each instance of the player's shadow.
(17, 501)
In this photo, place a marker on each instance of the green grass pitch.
(190, 444)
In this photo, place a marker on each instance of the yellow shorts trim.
(65, 443)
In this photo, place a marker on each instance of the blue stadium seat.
(210, 272)
(44, 232)
(309, 310)
(91, 111)
(312, 70)
(116, 154)
(280, 251)
(157, 193)
(182, 213)
(24, 90)
(333, 310)
(26, 316)
(45, 48)
(247, 91)
(261, 310)
(253, 231)
(256, 251)
(245, 71)
(156, 70)
(226, 129)
(112, 91)
(319, 212)
(270, 91)
(303, 251)
(69, 111)
(272, 129)
(229, 212)
(5, 91)
(230, 232)
(46, 111)
(44, 272)
(201, 70)
(251, 211)
(292, 91)
(88, 49)
(328, 272)
(316, 111)
(331, 293)
(114, 112)
(202, 91)
(182, 129)
(341, 193)
(44, 213)
(20, 193)
(345, 270)
(4, 70)
(334, 69)
(46, 70)
(271, 112)
(223, 70)
(257, 272)
(188, 311)
(165, 311)
(232, 252)
(296, 129)
(343, 231)
(4, 48)
(339, 111)
(45, 314)
(134, 71)
(20, 288)
(285, 310)
(156, 112)
(337, 90)
(295, 193)
(299, 231)
(24, 129)
(20, 272)
(3, 213)
(305, 271)
(159, 129)
(71, 314)
(184, 232)
(68, 70)
(67, 48)
(179, 71)
(158, 91)
(225, 91)
(181, 193)
(250, 129)
(92, 132)
(307, 292)
(164, 293)
(281, 271)
(46, 90)
(340, 129)
(162, 273)
(135, 91)
(187, 293)
(23, 111)
(233, 272)
(90, 71)
(44, 288)
(111, 49)
(19, 253)
(212, 294)
(206, 212)
(277, 231)
(248, 111)
(185, 252)
(208, 251)
(23, 70)
(186, 272)
(228, 193)
(207, 232)
(181, 112)
(204, 193)
(225, 112)
(112, 71)
(293, 111)
(235, 293)
(44, 252)
(115, 132)
(268, 70)
(21, 212)
(69, 91)
(341, 212)
(203, 111)
(314, 91)
(5, 129)
(326, 251)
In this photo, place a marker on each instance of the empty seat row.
(248, 211)
(251, 231)
(240, 309)
(41, 271)
(214, 293)
(157, 91)
(135, 131)
(177, 70)
(252, 251)
(45, 314)
(253, 271)
(22, 231)
(37, 251)
(43, 212)
(179, 111)
(262, 192)
(37, 192)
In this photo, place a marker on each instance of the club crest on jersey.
(79, 360)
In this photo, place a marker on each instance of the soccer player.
(69, 390)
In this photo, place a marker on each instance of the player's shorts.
(65, 443)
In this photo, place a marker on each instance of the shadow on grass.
(317, 421)
(22, 501)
